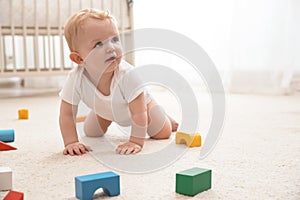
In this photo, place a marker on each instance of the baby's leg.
(95, 126)
(160, 125)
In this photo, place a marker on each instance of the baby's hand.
(76, 148)
(128, 148)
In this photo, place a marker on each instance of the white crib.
(31, 34)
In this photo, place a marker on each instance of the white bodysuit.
(124, 88)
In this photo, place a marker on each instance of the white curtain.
(254, 43)
(265, 46)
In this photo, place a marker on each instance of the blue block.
(7, 135)
(86, 185)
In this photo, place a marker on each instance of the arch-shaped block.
(86, 185)
(191, 140)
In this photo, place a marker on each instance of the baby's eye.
(115, 39)
(99, 44)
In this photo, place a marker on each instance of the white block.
(5, 178)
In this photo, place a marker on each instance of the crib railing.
(31, 34)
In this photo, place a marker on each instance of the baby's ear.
(75, 57)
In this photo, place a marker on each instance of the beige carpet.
(257, 157)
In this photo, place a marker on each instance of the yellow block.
(23, 114)
(191, 140)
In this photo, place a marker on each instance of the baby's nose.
(109, 47)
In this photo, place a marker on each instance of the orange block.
(13, 195)
(6, 147)
(23, 114)
(80, 119)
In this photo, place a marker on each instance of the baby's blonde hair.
(74, 23)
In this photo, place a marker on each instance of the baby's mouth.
(112, 58)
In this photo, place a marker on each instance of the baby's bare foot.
(174, 124)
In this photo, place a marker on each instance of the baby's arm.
(139, 121)
(68, 130)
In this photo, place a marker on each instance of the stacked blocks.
(7, 135)
(193, 181)
(5, 178)
(13, 195)
(23, 114)
(86, 185)
(191, 140)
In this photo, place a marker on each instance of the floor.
(257, 156)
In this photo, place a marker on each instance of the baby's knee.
(164, 133)
(92, 131)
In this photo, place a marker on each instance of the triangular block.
(13, 195)
(6, 147)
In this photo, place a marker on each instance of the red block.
(6, 147)
(13, 195)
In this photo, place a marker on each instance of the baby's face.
(103, 35)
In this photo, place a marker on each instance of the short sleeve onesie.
(125, 87)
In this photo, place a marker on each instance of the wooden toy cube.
(191, 140)
(13, 195)
(86, 185)
(193, 181)
(5, 178)
(23, 114)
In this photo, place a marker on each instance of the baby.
(102, 81)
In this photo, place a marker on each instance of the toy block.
(23, 114)
(193, 181)
(7, 135)
(80, 119)
(191, 140)
(86, 185)
(5, 178)
(14, 195)
(6, 147)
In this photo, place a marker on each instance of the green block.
(193, 181)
